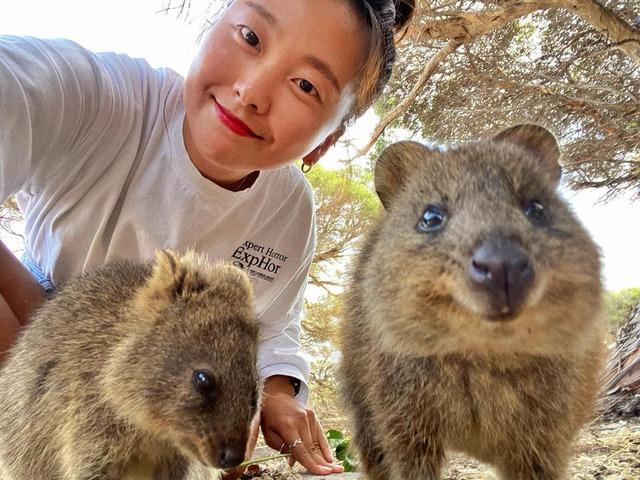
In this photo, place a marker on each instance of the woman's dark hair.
(384, 20)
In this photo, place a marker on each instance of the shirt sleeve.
(281, 354)
(50, 94)
(31, 103)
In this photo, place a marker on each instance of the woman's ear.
(311, 158)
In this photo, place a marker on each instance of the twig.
(262, 460)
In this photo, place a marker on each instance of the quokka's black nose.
(230, 457)
(502, 268)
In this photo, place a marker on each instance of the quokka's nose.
(230, 457)
(504, 270)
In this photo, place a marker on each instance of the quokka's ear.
(166, 263)
(538, 141)
(176, 276)
(395, 165)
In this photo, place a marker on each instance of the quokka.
(473, 313)
(135, 371)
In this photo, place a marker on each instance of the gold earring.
(306, 167)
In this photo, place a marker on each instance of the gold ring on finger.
(295, 443)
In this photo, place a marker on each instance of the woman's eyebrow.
(324, 69)
(264, 13)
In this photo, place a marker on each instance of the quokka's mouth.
(502, 314)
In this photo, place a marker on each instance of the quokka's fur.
(102, 383)
(432, 360)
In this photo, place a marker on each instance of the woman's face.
(272, 80)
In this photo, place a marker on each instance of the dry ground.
(604, 451)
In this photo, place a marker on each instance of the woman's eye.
(249, 36)
(306, 86)
(535, 211)
(433, 219)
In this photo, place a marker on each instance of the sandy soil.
(604, 451)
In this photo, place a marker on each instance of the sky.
(139, 28)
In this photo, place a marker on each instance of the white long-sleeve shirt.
(92, 146)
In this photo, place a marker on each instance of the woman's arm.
(47, 101)
(20, 295)
(9, 328)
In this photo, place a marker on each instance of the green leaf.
(335, 438)
(341, 450)
(350, 464)
(340, 446)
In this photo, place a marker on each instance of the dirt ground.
(604, 451)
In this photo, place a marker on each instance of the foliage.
(319, 340)
(342, 452)
(9, 216)
(383, 142)
(620, 304)
(550, 67)
(345, 208)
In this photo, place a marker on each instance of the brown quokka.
(473, 313)
(135, 371)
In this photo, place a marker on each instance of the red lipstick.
(233, 123)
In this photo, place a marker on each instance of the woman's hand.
(20, 296)
(290, 427)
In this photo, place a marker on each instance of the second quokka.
(473, 314)
(135, 371)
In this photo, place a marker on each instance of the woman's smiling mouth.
(233, 123)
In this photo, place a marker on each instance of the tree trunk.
(622, 376)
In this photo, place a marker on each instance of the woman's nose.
(254, 89)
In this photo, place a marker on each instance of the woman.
(112, 159)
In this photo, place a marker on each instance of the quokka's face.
(187, 372)
(204, 394)
(478, 251)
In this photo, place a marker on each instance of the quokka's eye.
(204, 383)
(535, 211)
(433, 219)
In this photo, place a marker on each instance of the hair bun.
(404, 13)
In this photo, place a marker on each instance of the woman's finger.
(307, 460)
(305, 424)
(318, 436)
(295, 448)
(313, 446)
(321, 440)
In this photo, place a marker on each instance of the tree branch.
(465, 27)
(427, 72)
(606, 22)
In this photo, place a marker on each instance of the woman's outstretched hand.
(290, 427)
